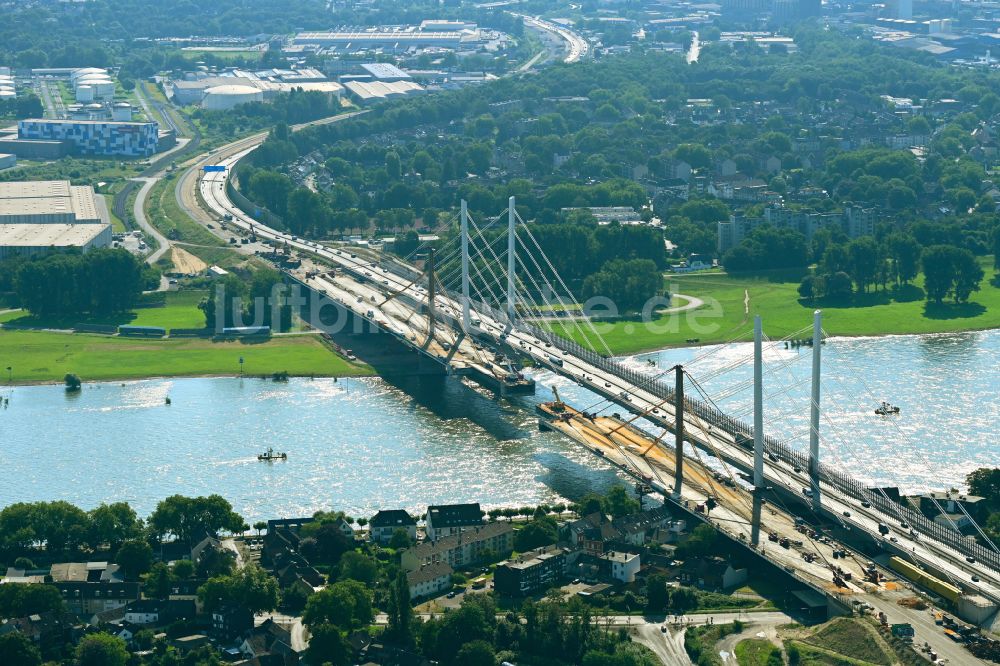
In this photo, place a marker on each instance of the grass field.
(852, 639)
(40, 356)
(758, 652)
(724, 315)
(164, 213)
(180, 311)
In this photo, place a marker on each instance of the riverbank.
(41, 357)
(728, 313)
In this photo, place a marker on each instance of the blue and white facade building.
(95, 137)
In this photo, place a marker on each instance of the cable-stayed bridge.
(486, 305)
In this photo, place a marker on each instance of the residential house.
(591, 532)
(620, 565)
(385, 523)
(429, 580)
(186, 644)
(462, 549)
(231, 621)
(637, 528)
(447, 519)
(531, 572)
(269, 638)
(48, 631)
(157, 612)
(953, 509)
(92, 587)
(711, 573)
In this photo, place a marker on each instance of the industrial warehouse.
(40, 216)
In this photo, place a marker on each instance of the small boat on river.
(885, 409)
(271, 455)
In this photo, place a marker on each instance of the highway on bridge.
(635, 397)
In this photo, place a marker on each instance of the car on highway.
(866, 504)
(847, 514)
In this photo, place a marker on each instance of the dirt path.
(185, 262)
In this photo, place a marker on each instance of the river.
(359, 445)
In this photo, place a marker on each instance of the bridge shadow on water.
(448, 398)
(510, 421)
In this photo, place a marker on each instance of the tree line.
(98, 282)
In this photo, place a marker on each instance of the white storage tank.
(122, 112)
(84, 94)
(221, 98)
(84, 71)
(103, 90)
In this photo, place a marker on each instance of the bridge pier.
(814, 411)
(466, 302)
(678, 431)
(758, 430)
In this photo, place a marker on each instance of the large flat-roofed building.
(375, 91)
(49, 202)
(94, 137)
(390, 39)
(384, 71)
(29, 239)
(531, 572)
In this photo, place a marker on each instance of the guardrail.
(252, 209)
(737, 428)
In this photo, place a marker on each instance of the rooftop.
(49, 197)
(392, 517)
(384, 70)
(49, 235)
(454, 515)
(429, 572)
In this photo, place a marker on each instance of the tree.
(476, 653)
(985, 482)
(683, 599)
(904, 250)
(399, 609)
(807, 288)
(327, 645)
(619, 503)
(250, 587)
(101, 650)
(260, 526)
(355, 566)
(346, 604)
(112, 524)
(540, 531)
(16, 649)
(629, 283)
(72, 382)
(158, 581)
(136, 557)
(657, 594)
(591, 503)
(968, 274)
(191, 518)
(184, 569)
(863, 255)
(950, 270)
(400, 539)
(29, 599)
(393, 166)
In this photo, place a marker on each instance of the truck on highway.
(555, 360)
